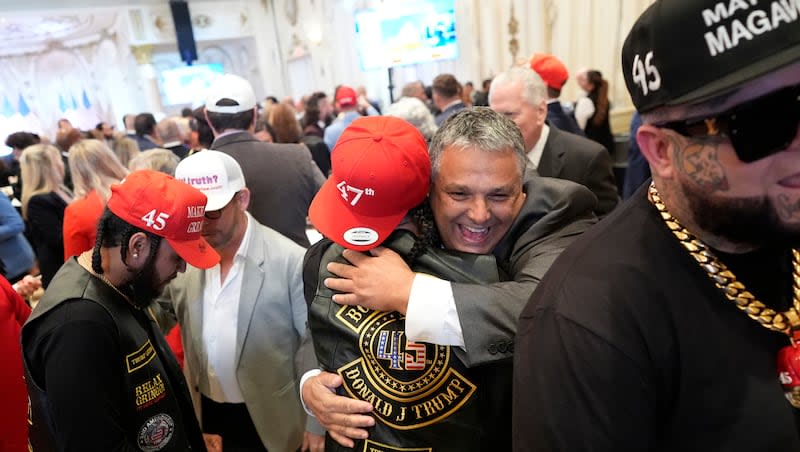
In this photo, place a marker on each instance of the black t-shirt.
(628, 345)
(764, 273)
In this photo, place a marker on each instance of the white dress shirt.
(220, 320)
(535, 154)
(584, 109)
(431, 316)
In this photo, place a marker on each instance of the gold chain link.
(84, 262)
(727, 282)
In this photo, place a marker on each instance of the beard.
(145, 286)
(747, 221)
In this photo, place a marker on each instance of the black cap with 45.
(687, 51)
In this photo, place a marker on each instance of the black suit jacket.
(144, 143)
(319, 152)
(282, 180)
(556, 117)
(45, 226)
(448, 112)
(569, 156)
(181, 150)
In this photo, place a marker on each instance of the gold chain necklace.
(787, 322)
(88, 266)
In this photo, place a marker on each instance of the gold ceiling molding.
(513, 29)
(202, 21)
(137, 24)
(160, 24)
(549, 18)
(143, 53)
(291, 11)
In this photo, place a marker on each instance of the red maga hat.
(156, 202)
(346, 96)
(550, 69)
(380, 170)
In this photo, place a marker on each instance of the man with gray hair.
(128, 121)
(415, 112)
(520, 95)
(417, 89)
(414, 89)
(170, 133)
(673, 325)
(483, 202)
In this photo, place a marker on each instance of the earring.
(136, 255)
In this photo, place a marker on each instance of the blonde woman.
(156, 159)
(126, 149)
(94, 167)
(44, 198)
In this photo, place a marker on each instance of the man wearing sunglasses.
(668, 326)
(242, 321)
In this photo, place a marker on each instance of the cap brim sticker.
(360, 236)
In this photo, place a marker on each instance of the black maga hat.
(687, 51)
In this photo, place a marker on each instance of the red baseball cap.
(380, 170)
(156, 202)
(346, 96)
(550, 69)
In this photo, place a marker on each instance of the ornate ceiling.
(31, 26)
(30, 33)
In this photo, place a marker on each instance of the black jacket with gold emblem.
(424, 397)
(100, 376)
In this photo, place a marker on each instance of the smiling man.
(483, 201)
(476, 196)
(668, 326)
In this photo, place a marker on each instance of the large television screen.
(406, 32)
(188, 84)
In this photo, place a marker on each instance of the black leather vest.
(157, 415)
(424, 398)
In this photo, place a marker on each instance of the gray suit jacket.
(572, 157)
(282, 179)
(270, 328)
(555, 213)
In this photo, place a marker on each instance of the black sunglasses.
(757, 129)
(216, 214)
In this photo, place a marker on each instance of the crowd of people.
(480, 285)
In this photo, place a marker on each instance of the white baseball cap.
(230, 94)
(214, 173)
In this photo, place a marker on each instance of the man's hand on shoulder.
(381, 281)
